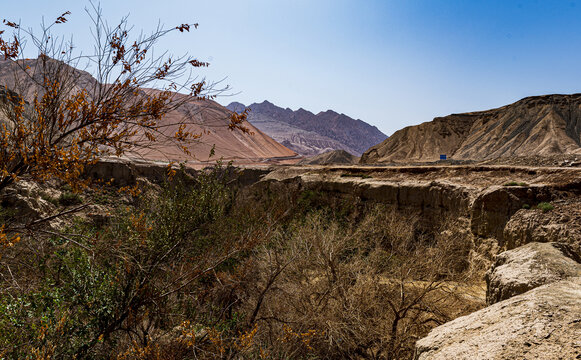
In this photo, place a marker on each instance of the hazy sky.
(389, 63)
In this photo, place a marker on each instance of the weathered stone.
(493, 208)
(517, 271)
(544, 323)
(24, 197)
(561, 225)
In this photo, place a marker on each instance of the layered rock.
(311, 134)
(536, 313)
(494, 207)
(538, 125)
(527, 226)
(437, 193)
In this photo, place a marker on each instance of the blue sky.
(389, 63)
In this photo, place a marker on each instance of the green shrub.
(46, 197)
(186, 262)
(514, 183)
(69, 198)
(545, 206)
(91, 290)
(66, 188)
(526, 206)
(102, 198)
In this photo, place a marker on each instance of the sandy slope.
(538, 125)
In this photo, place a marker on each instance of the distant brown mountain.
(204, 116)
(536, 125)
(333, 157)
(309, 134)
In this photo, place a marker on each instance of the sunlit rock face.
(517, 271)
(542, 323)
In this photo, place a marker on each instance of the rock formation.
(535, 290)
(538, 125)
(309, 134)
(522, 269)
(506, 214)
(536, 311)
(544, 323)
(527, 226)
(331, 157)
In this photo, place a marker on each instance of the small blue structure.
(443, 157)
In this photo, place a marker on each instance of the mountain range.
(311, 134)
(203, 116)
(536, 125)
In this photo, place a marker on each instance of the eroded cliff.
(486, 198)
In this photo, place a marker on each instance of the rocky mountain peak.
(310, 134)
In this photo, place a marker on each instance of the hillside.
(212, 119)
(333, 157)
(537, 125)
(310, 134)
(207, 117)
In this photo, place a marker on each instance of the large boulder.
(519, 270)
(543, 323)
(561, 225)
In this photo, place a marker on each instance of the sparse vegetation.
(515, 183)
(46, 197)
(526, 206)
(357, 175)
(194, 269)
(545, 206)
(197, 269)
(68, 198)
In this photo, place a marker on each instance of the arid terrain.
(205, 117)
(502, 208)
(513, 229)
(396, 255)
(140, 219)
(536, 125)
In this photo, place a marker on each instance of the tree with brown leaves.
(55, 120)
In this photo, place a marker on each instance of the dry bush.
(188, 273)
(365, 291)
